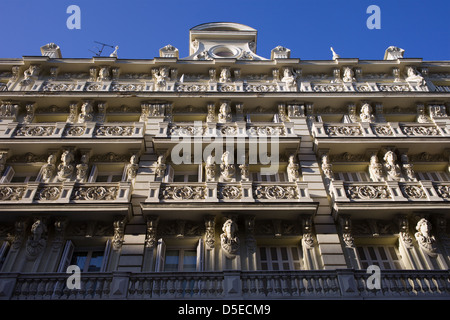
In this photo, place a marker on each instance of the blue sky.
(308, 28)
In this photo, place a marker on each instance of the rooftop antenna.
(99, 52)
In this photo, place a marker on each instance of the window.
(4, 248)
(185, 177)
(184, 173)
(106, 173)
(19, 176)
(433, 176)
(180, 260)
(276, 177)
(279, 258)
(88, 260)
(108, 177)
(352, 176)
(386, 257)
(176, 259)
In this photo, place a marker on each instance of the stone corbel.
(30, 108)
(210, 226)
(20, 227)
(3, 156)
(403, 227)
(119, 233)
(93, 74)
(250, 234)
(152, 225)
(307, 234)
(73, 113)
(54, 73)
(115, 73)
(346, 229)
(101, 107)
(60, 225)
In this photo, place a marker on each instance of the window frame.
(279, 261)
(394, 264)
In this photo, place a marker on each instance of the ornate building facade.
(224, 174)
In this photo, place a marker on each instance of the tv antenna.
(100, 50)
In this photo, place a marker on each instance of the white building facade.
(224, 174)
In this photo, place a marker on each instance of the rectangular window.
(180, 260)
(386, 257)
(276, 177)
(108, 177)
(279, 258)
(88, 260)
(352, 176)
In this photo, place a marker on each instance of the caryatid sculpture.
(229, 239)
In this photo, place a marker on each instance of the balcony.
(60, 130)
(389, 197)
(379, 130)
(320, 284)
(64, 193)
(232, 129)
(229, 192)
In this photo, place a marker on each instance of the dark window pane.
(262, 253)
(95, 263)
(190, 260)
(383, 253)
(102, 178)
(273, 254)
(393, 253)
(193, 178)
(116, 178)
(172, 260)
(372, 254)
(79, 259)
(295, 253)
(286, 266)
(284, 255)
(361, 253)
(178, 178)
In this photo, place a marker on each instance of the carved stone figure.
(414, 76)
(160, 168)
(87, 112)
(132, 168)
(211, 117)
(30, 75)
(160, 76)
(224, 112)
(210, 168)
(423, 236)
(104, 74)
(349, 75)
(229, 238)
(227, 168)
(393, 170)
(66, 168)
(225, 75)
(82, 168)
(326, 167)
(48, 170)
(292, 169)
(375, 169)
(366, 113)
(152, 224)
(37, 241)
(289, 78)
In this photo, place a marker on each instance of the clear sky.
(141, 27)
